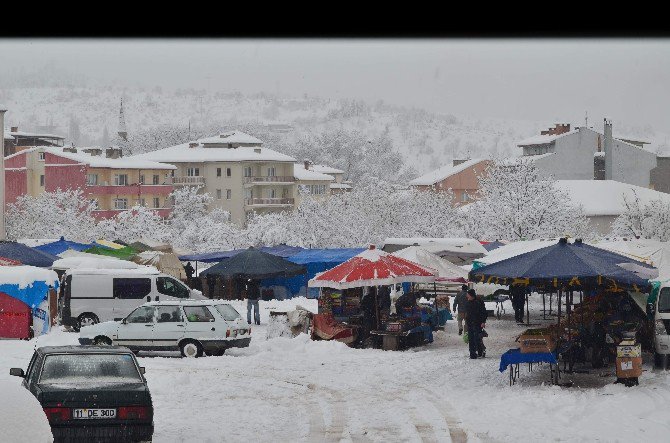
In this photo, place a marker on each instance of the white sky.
(626, 80)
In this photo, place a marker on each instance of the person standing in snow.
(253, 295)
(475, 321)
(188, 269)
(518, 296)
(459, 301)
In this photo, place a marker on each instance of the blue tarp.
(576, 265)
(62, 245)
(26, 255)
(31, 295)
(514, 356)
(283, 251)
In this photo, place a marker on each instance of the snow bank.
(21, 416)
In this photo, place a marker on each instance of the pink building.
(462, 178)
(114, 182)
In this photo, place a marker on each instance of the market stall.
(26, 254)
(356, 301)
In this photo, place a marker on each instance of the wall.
(660, 175)
(632, 164)
(464, 181)
(63, 173)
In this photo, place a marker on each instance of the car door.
(136, 330)
(170, 326)
(201, 324)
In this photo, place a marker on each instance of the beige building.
(236, 170)
(338, 185)
(310, 181)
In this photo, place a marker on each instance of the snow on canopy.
(446, 270)
(373, 267)
(62, 245)
(444, 172)
(26, 254)
(451, 247)
(512, 250)
(29, 284)
(22, 419)
(93, 262)
(73, 253)
(654, 252)
(255, 264)
(282, 250)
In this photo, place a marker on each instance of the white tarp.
(97, 262)
(653, 252)
(445, 269)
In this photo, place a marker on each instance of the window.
(40, 156)
(271, 172)
(156, 179)
(157, 202)
(171, 287)
(664, 300)
(193, 172)
(198, 314)
(465, 197)
(94, 202)
(141, 179)
(41, 180)
(120, 203)
(87, 368)
(229, 172)
(228, 312)
(131, 288)
(91, 179)
(247, 171)
(218, 194)
(272, 193)
(168, 314)
(218, 172)
(142, 202)
(248, 193)
(143, 314)
(228, 194)
(121, 179)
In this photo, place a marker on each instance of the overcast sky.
(626, 80)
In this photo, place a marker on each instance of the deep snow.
(296, 389)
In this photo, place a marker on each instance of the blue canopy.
(32, 295)
(574, 265)
(490, 246)
(62, 245)
(26, 255)
(283, 251)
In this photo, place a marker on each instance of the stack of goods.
(536, 340)
(628, 359)
(410, 323)
(351, 303)
(326, 300)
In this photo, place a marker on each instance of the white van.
(89, 296)
(661, 309)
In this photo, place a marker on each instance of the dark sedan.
(91, 393)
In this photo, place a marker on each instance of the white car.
(193, 327)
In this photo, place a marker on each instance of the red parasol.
(373, 267)
(9, 262)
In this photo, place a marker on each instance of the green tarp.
(125, 253)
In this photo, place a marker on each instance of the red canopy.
(373, 267)
(9, 262)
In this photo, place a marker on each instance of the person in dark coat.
(459, 301)
(475, 321)
(188, 269)
(253, 294)
(518, 296)
(211, 284)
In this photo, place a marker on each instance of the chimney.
(14, 129)
(607, 148)
(458, 162)
(93, 151)
(192, 144)
(559, 128)
(70, 149)
(113, 153)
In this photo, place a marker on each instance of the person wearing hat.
(459, 301)
(475, 321)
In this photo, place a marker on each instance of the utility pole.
(3, 233)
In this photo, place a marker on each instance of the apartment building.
(114, 182)
(310, 181)
(461, 177)
(235, 169)
(16, 141)
(338, 185)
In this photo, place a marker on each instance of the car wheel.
(102, 341)
(86, 319)
(190, 349)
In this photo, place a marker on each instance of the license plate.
(93, 413)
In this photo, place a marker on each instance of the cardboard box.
(628, 367)
(629, 351)
(536, 343)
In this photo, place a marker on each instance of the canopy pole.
(527, 309)
(560, 291)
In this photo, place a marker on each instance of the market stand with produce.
(355, 302)
(603, 280)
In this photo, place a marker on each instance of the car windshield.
(228, 312)
(664, 300)
(87, 368)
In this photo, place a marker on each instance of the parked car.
(89, 296)
(96, 393)
(190, 326)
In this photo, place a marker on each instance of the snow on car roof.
(444, 172)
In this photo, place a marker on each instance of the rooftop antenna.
(586, 119)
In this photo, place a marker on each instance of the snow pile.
(21, 416)
(25, 276)
(278, 327)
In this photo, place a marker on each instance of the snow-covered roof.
(606, 197)
(340, 186)
(326, 169)
(13, 134)
(530, 158)
(232, 137)
(100, 161)
(544, 139)
(445, 171)
(185, 154)
(300, 173)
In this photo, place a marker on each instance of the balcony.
(188, 181)
(258, 202)
(272, 179)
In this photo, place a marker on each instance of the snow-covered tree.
(517, 203)
(66, 213)
(135, 223)
(650, 220)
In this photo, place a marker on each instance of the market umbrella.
(573, 265)
(61, 246)
(373, 267)
(26, 255)
(446, 270)
(255, 264)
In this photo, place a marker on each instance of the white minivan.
(90, 296)
(661, 310)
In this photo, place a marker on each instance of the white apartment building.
(338, 185)
(310, 181)
(236, 170)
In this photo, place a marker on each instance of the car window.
(664, 300)
(171, 287)
(131, 288)
(167, 314)
(143, 314)
(85, 368)
(228, 312)
(198, 314)
(32, 369)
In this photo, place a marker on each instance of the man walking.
(253, 294)
(475, 320)
(518, 296)
(460, 300)
(188, 269)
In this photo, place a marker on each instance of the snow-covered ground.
(299, 390)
